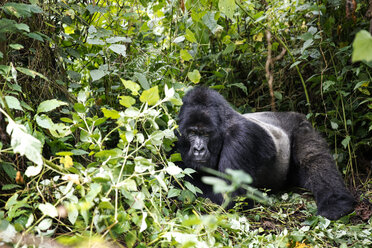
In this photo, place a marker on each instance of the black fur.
(213, 135)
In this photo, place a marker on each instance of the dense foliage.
(89, 95)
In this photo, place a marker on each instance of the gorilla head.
(201, 137)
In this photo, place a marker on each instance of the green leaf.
(79, 107)
(173, 193)
(173, 169)
(21, 10)
(45, 224)
(49, 105)
(16, 46)
(127, 101)
(48, 209)
(118, 39)
(194, 76)
(44, 121)
(142, 80)
(185, 55)
(95, 188)
(119, 49)
(31, 73)
(362, 47)
(132, 86)
(229, 49)
(22, 27)
(190, 36)
(35, 36)
(150, 96)
(227, 7)
(334, 125)
(346, 141)
(97, 74)
(13, 103)
(25, 144)
(113, 114)
(211, 22)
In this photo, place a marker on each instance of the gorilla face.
(200, 141)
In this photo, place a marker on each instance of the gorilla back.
(276, 149)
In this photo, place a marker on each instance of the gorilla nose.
(199, 151)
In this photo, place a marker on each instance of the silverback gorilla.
(276, 149)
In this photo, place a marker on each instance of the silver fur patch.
(280, 138)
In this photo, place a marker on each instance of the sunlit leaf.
(48, 209)
(227, 7)
(211, 22)
(66, 161)
(150, 96)
(97, 74)
(127, 101)
(185, 55)
(110, 113)
(194, 76)
(190, 36)
(362, 46)
(49, 105)
(172, 169)
(25, 144)
(119, 49)
(13, 103)
(132, 86)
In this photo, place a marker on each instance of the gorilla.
(277, 149)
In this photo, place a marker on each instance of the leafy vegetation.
(89, 95)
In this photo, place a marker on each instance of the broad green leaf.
(194, 76)
(16, 46)
(95, 189)
(44, 121)
(48, 209)
(143, 222)
(25, 144)
(150, 96)
(49, 105)
(97, 74)
(132, 86)
(13, 103)
(79, 107)
(31, 73)
(45, 224)
(20, 9)
(35, 36)
(142, 80)
(346, 141)
(190, 36)
(118, 39)
(211, 22)
(119, 49)
(33, 170)
(129, 185)
(127, 101)
(173, 193)
(73, 212)
(227, 7)
(334, 125)
(185, 55)
(110, 113)
(172, 169)
(22, 27)
(179, 39)
(362, 47)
